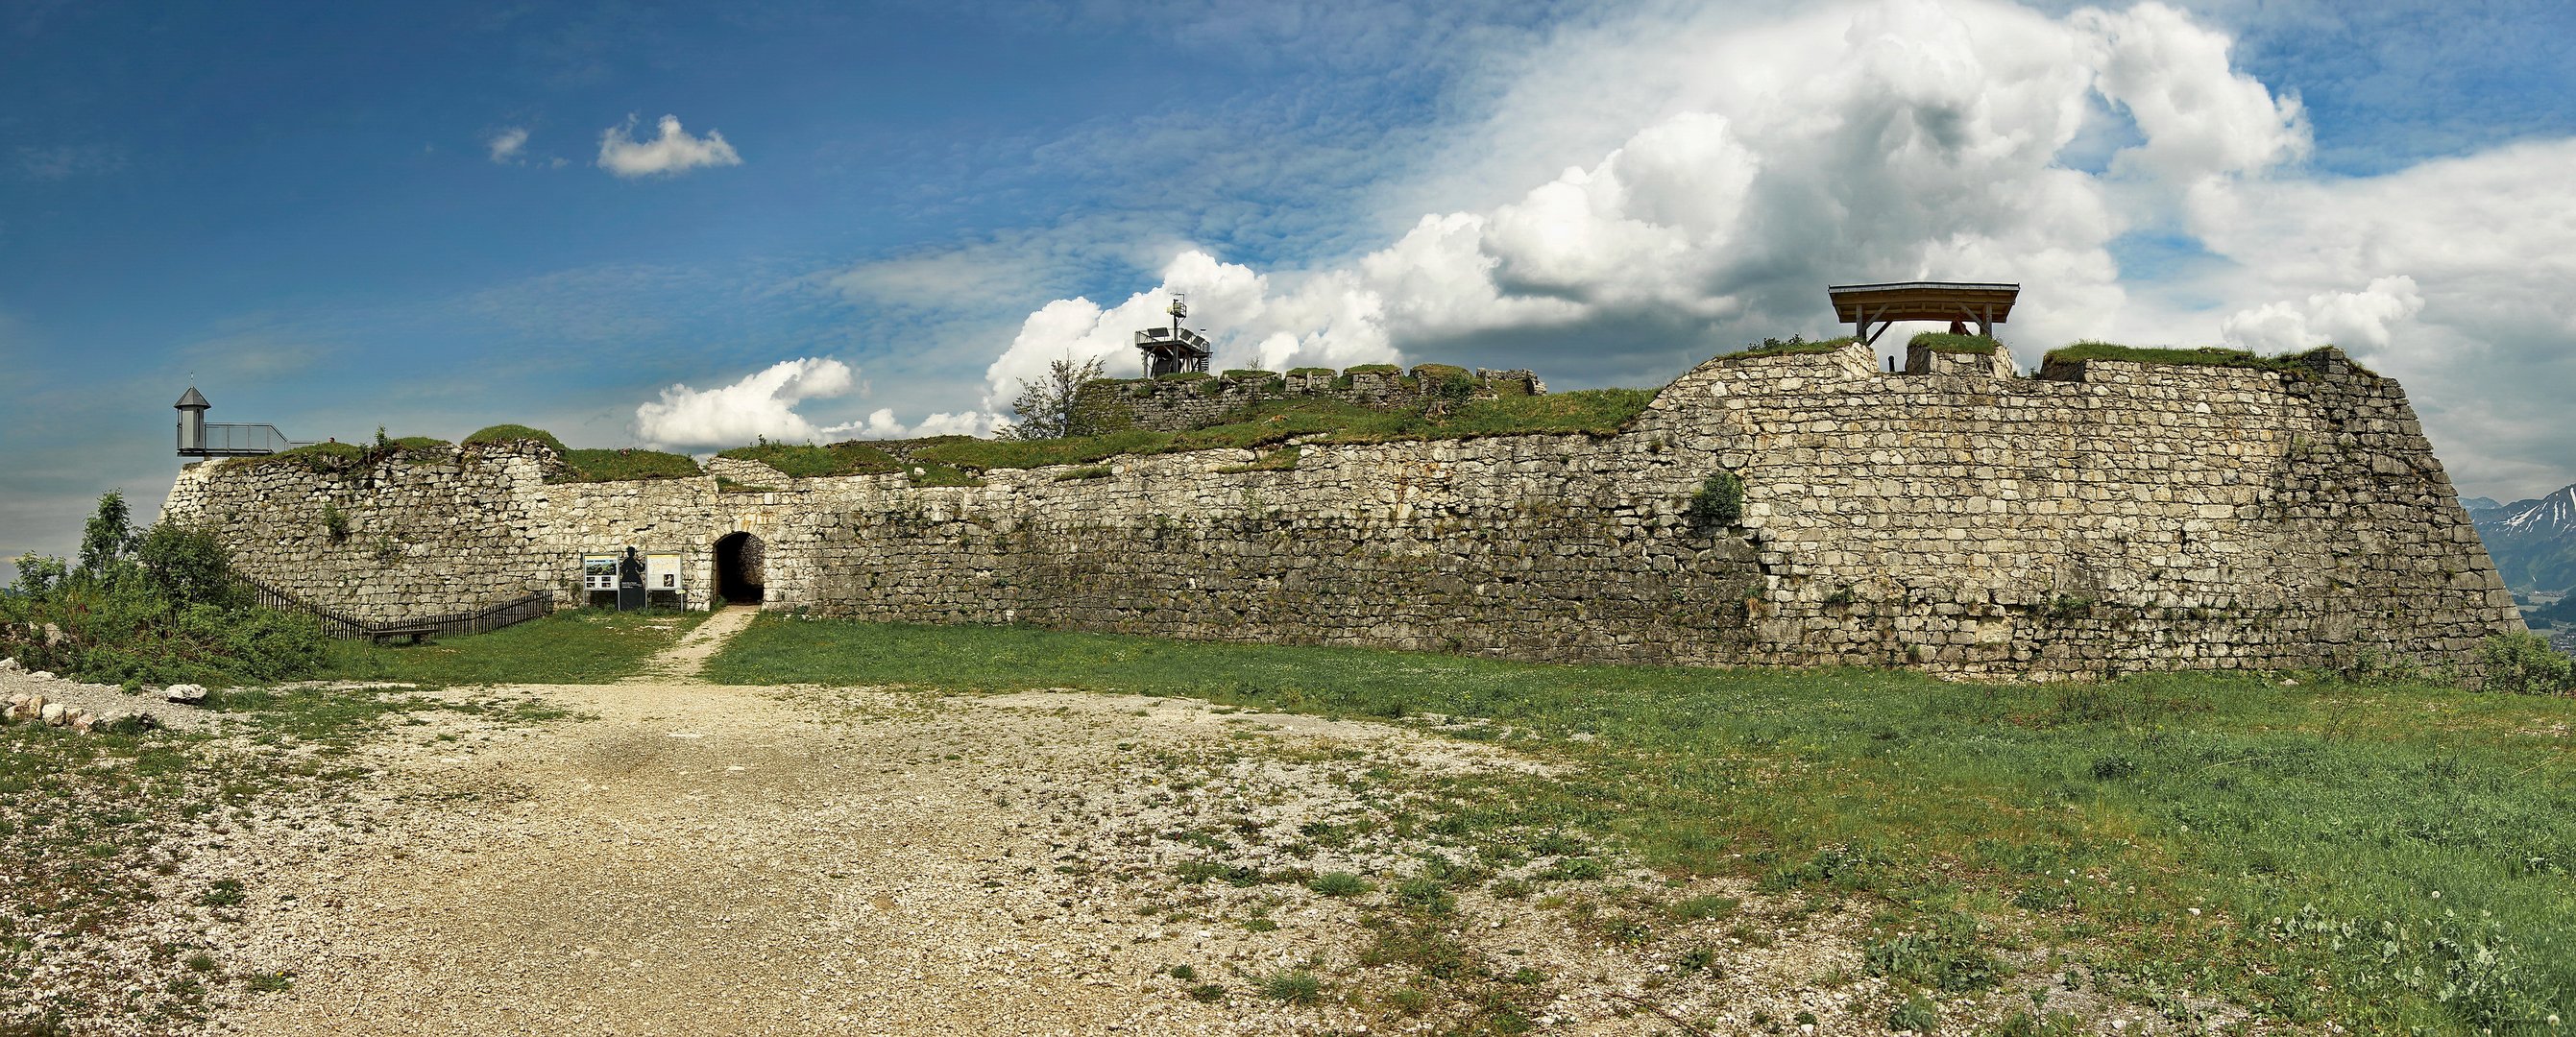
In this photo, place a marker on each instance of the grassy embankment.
(579, 646)
(2384, 855)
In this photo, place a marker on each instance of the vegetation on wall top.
(2295, 364)
(805, 461)
(1945, 342)
(515, 433)
(1794, 344)
(1598, 412)
(625, 466)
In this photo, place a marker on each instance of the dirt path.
(708, 859)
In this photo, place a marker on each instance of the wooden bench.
(416, 634)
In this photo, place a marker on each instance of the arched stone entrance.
(741, 569)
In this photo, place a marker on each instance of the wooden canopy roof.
(1864, 305)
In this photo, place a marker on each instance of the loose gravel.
(686, 858)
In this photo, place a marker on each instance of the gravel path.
(693, 858)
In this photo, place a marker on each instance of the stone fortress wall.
(1174, 403)
(2107, 518)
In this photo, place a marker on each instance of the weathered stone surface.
(184, 693)
(2111, 518)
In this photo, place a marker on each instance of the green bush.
(1373, 369)
(1249, 373)
(1719, 502)
(157, 607)
(2524, 664)
(1445, 381)
(514, 434)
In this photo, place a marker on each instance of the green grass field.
(2382, 855)
(581, 646)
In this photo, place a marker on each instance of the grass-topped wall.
(2069, 361)
(514, 434)
(1945, 342)
(1793, 345)
(1598, 412)
(805, 461)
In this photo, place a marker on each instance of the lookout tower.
(1963, 302)
(199, 439)
(1174, 350)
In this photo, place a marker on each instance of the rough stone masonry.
(2102, 518)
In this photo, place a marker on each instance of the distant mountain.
(2533, 541)
(2478, 504)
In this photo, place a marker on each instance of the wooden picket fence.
(477, 621)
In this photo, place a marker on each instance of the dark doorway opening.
(740, 561)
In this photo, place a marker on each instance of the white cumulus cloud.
(2358, 321)
(762, 404)
(674, 151)
(1637, 192)
(1891, 140)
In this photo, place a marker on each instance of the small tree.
(1045, 406)
(107, 537)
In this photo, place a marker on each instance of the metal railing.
(237, 440)
(477, 621)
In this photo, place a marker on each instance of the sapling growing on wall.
(1719, 502)
(1045, 405)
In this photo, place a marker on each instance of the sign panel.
(599, 572)
(662, 572)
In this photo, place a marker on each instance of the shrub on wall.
(1719, 502)
(1445, 381)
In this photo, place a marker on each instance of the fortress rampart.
(2111, 517)
(1173, 403)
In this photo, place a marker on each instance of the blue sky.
(313, 208)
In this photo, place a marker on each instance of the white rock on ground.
(184, 692)
(27, 694)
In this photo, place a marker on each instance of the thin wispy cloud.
(68, 161)
(508, 146)
(671, 153)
